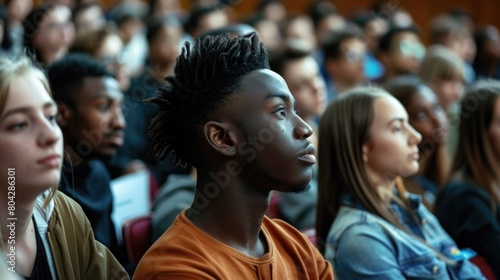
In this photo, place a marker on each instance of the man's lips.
(308, 155)
(115, 139)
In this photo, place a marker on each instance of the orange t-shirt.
(186, 252)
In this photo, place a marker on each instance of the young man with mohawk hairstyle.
(232, 118)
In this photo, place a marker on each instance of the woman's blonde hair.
(10, 70)
(441, 63)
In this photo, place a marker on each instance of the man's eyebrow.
(283, 96)
(101, 95)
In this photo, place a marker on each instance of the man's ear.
(63, 115)
(221, 137)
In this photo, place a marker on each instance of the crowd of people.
(387, 149)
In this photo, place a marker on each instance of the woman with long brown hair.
(379, 231)
(429, 119)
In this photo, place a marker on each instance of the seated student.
(326, 19)
(345, 53)
(104, 44)
(232, 118)
(487, 61)
(269, 33)
(443, 71)
(378, 231)
(373, 25)
(90, 116)
(455, 34)
(164, 38)
(203, 18)
(51, 238)
(48, 32)
(177, 193)
(87, 17)
(469, 206)
(299, 28)
(400, 52)
(429, 119)
(11, 18)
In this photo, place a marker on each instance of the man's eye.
(281, 112)
(103, 107)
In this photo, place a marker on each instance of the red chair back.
(273, 211)
(484, 267)
(311, 234)
(153, 186)
(137, 235)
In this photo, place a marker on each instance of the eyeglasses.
(415, 49)
(353, 56)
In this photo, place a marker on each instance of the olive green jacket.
(75, 253)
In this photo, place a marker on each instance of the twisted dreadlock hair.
(204, 77)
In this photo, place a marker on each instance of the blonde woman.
(44, 234)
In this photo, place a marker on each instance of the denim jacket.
(361, 245)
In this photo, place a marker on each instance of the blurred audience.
(128, 17)
(105, 45)
(269, 33)
(372, 27)
(205, 18)
(400, 51)
(326, 19)
(88, 17)
(455, 35)
(345, 53)
(48, 32)
(486, 63)
(469, 206)
(443, 71)
(164, 41)
(14, 13)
